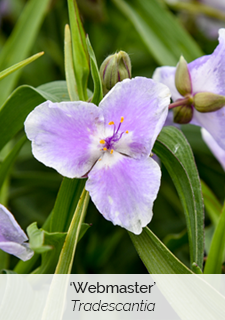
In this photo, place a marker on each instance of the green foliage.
(165, 39)
(69, 70)
(155, 255)
(79, 50)
(20, 42)
(31, 189)
(19, 65)
(65, 263)
(216, 253)
(175, 152)
(98, 94)
(211, 203)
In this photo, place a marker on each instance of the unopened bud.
(115, 68)
(208, 102)
(183, 114)
(182, 78)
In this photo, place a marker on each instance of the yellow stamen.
(102, 141)
(111, 151)
(99, 159)
(127, 131)
(104, 148)
(111, 122)
(121, 120)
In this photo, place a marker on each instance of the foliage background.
(31, 188)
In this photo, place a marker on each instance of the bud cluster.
(115, 68)
(201, 101)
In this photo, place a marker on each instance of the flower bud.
(208, 102)
(183, 114)
(182, 77)
(115, 68)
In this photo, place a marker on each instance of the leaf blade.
(155, 255)
(176, 154)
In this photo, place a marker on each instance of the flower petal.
(213, 122)
(166, 75)
(144, 105)
(123, 189)
(65, 136)
(218, 152)
(9, 228)
(208, 72)
(12, 237)
(21, 251)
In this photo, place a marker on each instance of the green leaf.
(37, 239)
(79, 49)
(4, 260)
(175, 241)
(211, 203)
(196, 268)
(164, 37)
(49, 259)
(67, 254)
(6, 271)
(20, 42)
(155, 255)
(19, 65)
(69, 70)
(21, 102)
(98, 94)
(9, 160)
(56, 91)
(176, 154)
(65, 205)
(216, 252)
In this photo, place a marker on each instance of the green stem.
(180, 102)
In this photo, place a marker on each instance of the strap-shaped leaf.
(79, 49)
(211, 203)
(164, 37)
(67, 254)
(20, 42)
(155, 255)
(65, 205)
(216, 252)
(19, 65)
(176, 154)
(9, 160)
(98, 95)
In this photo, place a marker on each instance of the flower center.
(109, 142)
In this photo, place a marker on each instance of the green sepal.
(208, 102)
(183, 114)
(182, 78)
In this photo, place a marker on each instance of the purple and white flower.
(12, 237)
(207, 74)
(218, 152)
(109, 144)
